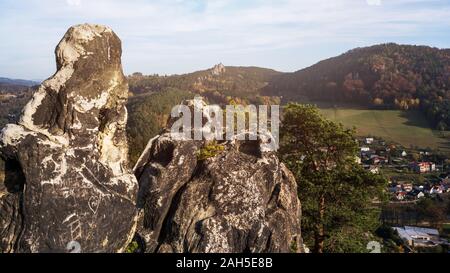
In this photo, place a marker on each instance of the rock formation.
(67, 185)
(218, 69)
(240, 199)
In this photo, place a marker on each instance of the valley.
(408, 128)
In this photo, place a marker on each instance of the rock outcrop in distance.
(67, 185)
(240, 198)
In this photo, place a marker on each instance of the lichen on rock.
(66, 159)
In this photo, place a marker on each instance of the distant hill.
(14, 94)
(154, 96)
(27, 83)
(216, 83)
(387, 76)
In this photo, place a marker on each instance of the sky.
(181, 36)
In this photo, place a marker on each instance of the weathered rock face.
(240, 200)
(218, 69)
(66, 174)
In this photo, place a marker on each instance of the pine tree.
(338, 196)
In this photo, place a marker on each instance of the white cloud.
(73, 2)
(374, 2)
(167, 36)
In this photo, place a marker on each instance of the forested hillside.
(387, 76)
(148, 114)
(218, 84)
(12, 99)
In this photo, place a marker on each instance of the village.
(416, 178)
(412, 173)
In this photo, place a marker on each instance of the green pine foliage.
(337, 194)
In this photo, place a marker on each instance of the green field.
(408, 128)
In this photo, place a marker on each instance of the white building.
(417, 236)
(420, 195)
(437, 190)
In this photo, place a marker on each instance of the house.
(432, 166)
(401, 195)
(365, 149)
(369, 140)
(423, 167)
(383, 160)
(438, 189)
(407, 187)
(376, 159)
(417, 236)
(404, 154)
(416, 194)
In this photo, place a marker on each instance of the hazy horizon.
(129, 73)
(182, 36)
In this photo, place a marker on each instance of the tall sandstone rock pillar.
(67, 184)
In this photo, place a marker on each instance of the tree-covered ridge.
(218, 83)
(12, 99)
(387, 76)
(148, 115)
